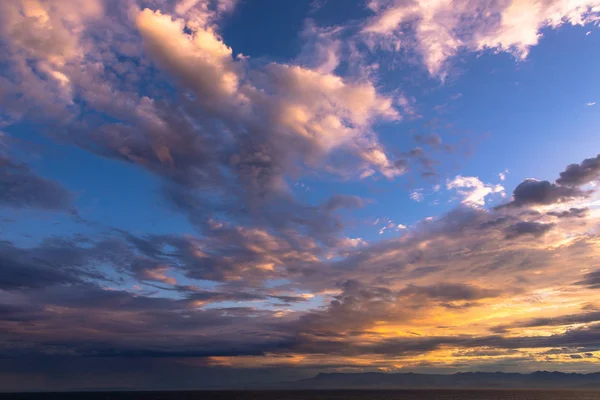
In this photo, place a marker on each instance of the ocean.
(320, 395)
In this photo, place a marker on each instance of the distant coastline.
(367, 381)
(461, 380)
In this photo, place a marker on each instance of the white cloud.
(440, 29)
(387, 224)
(590, 104)
(417, 195)
(353, 242)
(473, 191)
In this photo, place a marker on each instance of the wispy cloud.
(512, 26)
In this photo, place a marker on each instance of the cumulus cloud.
(201, 61)
(240, 129)
(534, 192)
(49, 31)
(473, 191)
(315, 111)
(566, 188)
(581, 174)
(42, 40)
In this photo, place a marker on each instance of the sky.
(199, 192)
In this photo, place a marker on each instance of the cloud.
(473, 190)
(592, 103)
(43, 39)
(527, 228)
(266, 278)
(566, 188)
(49, 31)
(581, 174)
(437, 31)
(51, 263)
(591, 280)
(21, 187)
(316, 111)
(202, 61)
(433, 140)
(224, 133)
(457, 267)
(581, 318)
(570, 213)
(450, 292)
(322, 48)
(341, 201)
(417, 195)
(534, 192)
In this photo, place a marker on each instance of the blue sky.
(381, 165)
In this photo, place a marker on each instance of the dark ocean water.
(323, 395)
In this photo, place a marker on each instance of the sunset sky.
(200, 191)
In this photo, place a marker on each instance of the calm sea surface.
(325, 395)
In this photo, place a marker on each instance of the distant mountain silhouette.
(479, 380)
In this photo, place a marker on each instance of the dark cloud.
(582, 318)
(433, 139)
(591, 280)
(21, 313)
(570, 213)
(500, 221)
(342, 201)
(580, 174)
(566, 187)
(21, 187)
(227, 253)
(208, 296)
(527, 228)
(355, 309)
(584, 337)
(534, 192)
(424, 271)
(485, 352)
(416, 152)
(48, 264)
(450, 292)
(425, 162)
